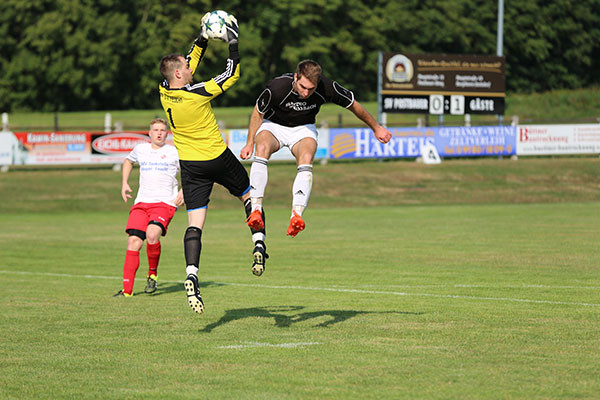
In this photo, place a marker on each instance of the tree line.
(73, 55)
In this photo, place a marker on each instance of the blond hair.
(159, 121)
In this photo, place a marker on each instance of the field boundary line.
(248, 345)
(324, 289)
(479, 286)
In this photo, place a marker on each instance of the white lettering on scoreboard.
(436, 104)
(479, 104)
(457, 104)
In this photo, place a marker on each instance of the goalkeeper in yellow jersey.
(204, 157)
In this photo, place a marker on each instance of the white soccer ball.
(215, 25)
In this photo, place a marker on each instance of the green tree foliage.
(553, 44)
(104, 54)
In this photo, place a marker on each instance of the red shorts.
(141, 214)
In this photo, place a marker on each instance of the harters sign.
(442, 84)
(457, 141)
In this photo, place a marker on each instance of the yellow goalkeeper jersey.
(196, 134)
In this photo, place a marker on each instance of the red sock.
(132, 263)
(153, 251)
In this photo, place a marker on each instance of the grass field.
(467, 280)
(573, 106)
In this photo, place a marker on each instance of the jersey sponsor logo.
(300, 106)
(118, 143)
(171, 99)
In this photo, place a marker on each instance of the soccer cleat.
(121, 293)
(151, 284)
(260, 256)
(296, 224)
(193, 294)
(255, 220)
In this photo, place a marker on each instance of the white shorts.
(289, 136)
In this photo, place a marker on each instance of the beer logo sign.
(118, 143)
(399, 69)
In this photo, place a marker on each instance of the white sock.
(191, 270)
(258, 180)
(302, 187)
(256, 203)
(258, 236)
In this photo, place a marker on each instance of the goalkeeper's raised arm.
(196, 53)
(232, 68)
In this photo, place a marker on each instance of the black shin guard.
(248, 207)
(192, 245)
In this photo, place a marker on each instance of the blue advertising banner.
(463, 141)
(347, 143)
(360, 143)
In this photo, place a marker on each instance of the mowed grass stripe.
(524, 286)
(327, 289)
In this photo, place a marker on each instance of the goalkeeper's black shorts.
(198, 178)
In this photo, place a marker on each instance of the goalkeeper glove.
(203, 33)
(232, 30)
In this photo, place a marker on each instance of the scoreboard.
(441, 84)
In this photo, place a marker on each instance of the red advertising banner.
(79, 147)
(117, 143)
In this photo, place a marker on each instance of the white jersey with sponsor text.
(158, 173)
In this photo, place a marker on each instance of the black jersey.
(280, 104)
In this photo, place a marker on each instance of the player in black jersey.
(285, 116)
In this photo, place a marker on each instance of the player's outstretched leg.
(260, 256)
(259, 176)
(301, 193)
(193, 246)
(193, 294)
(255, 220)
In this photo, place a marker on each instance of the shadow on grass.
(178, 287)
(285, 316)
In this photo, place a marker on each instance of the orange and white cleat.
(296, 224)
(255, 220)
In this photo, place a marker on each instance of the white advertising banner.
(558, 139)
(7, 147)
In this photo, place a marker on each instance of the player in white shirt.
(156, 202)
